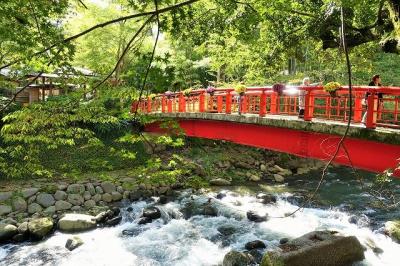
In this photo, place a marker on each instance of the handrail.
(373, 110)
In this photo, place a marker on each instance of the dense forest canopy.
(225, 41)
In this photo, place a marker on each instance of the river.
(174, 240)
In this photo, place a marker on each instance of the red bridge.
(269, 119)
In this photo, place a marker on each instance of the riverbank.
(118, 199)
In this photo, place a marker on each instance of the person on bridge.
(302, 95)
(375, 82)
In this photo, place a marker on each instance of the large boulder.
(45, 199)
(392, 228)
(236, 258)
(74, 222)
(315, 249)
(39, 228)
(116, 196)
(7, 231)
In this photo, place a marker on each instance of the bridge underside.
(363, 154)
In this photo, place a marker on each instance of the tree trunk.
(391, 44)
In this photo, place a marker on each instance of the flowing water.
(174, 240)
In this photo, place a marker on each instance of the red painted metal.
(318, 103)
(368, 155)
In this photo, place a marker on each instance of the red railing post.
(202, 101)
(274, 103)
(181, 101)
(243, 102)
(148, 105)
(358, 107)
(228, 103)
(163, 104)
(372, 111)
(219, 103)
(169, 104)
(308, 106)
(263, 103)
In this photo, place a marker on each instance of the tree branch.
(104, 24)
(127, 47)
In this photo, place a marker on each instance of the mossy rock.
(392, 228)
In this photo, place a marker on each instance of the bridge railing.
(380, 108)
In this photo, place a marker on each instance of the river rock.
(278, 178)
(151, 212)
(45, 199)
(76, 208)
(315, 249)
(254, 245)
(62, 205)
(227, 230)
(263, 168)
(116, 196)
(74, 222)
(29, 192)
(266, 198)
(34, 208)
(5, 196)
(99, 190)
(31, 200)
(50, 210)
(144, 220)
(135, 195)
(7, 231)
(96, 197)
(236, 258)
(254, 178)
(89, 204)
(73, 242)
(23, 228)
(108, 187)
(87, 195)
(75, 199)
(220, 182)
(255, 217)
(114, 221)
(107, 197)
(76, 189)
(392, 228)
(39, 228)
(90, 188)
(5, 209)
(209, 210)
(19, 204)
(60, 195)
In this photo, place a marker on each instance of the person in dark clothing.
(375, 82)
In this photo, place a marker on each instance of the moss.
(49, 188)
